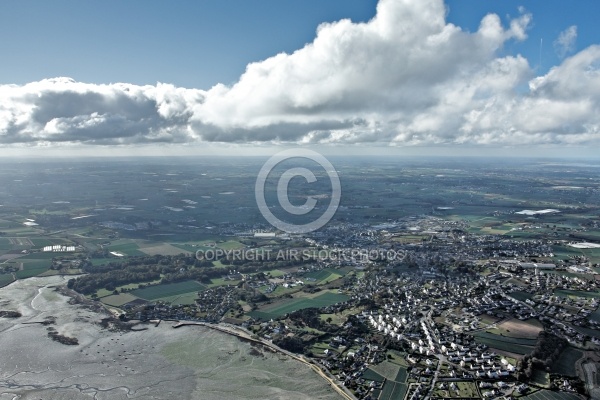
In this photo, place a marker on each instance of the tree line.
(169, 269)
(545, 353)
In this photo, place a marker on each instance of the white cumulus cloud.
(407, 77)
(63, 110)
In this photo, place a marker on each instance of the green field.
(595, 315)
(33, 263)
(593, 255)
(171, 289)
(230, 245)
(280, 291)
(44, 255)
(323, 276)
(506, 339)
(522, 296)
(504, 343)
(279, 309)
(318, 275)
(52, 272)
(402, 375)
(117, 300)
(181, 299)
(222, 282)
(5, 279)
(371, 375)
(102, 292)
(21, 231)
(341, 317)
(28, 273)
(128, 249)
(541, 378)
(565, 365)
(103, 261)
(395, 388)
(191, 247)
(393, 391)
(5, 244)
(32, 266)
(275, 273)
(387, 369)
(575, 293)
(564, 252)
(42, 242)
(464, 390)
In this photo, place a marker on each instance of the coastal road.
(244, 334)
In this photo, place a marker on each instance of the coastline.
(245, 335)
(148, 363)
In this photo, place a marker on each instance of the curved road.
(244, 334)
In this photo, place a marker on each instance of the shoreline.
(232, 330)
(245, 335)
(138, 363)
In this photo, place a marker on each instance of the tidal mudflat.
(157, 363)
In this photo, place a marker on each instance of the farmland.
(118, 300)
(506, 339)
(181, 299)
(520, 295)
(508, 344)
(230, 245)
(5, 244)
(515, 328)
(550, 395)
(340, 318)
(454, 224)
(166, 290)
(322, 277)
(286, 306)
(565, 364)
(393, 391)
(127, 248)
(464, 390)
(395, 386)
(174, 293)
(28, 273)
(371, 375)
(575, 294)
(153, 248)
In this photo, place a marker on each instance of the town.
(458, 315)
(439, 284)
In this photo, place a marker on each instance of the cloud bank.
(407, 77)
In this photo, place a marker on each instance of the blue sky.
(194, 44)
(401, 74)
(201, 43)
(550, 18)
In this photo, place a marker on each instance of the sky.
(388, 76)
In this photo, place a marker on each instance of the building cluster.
(431, 305)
